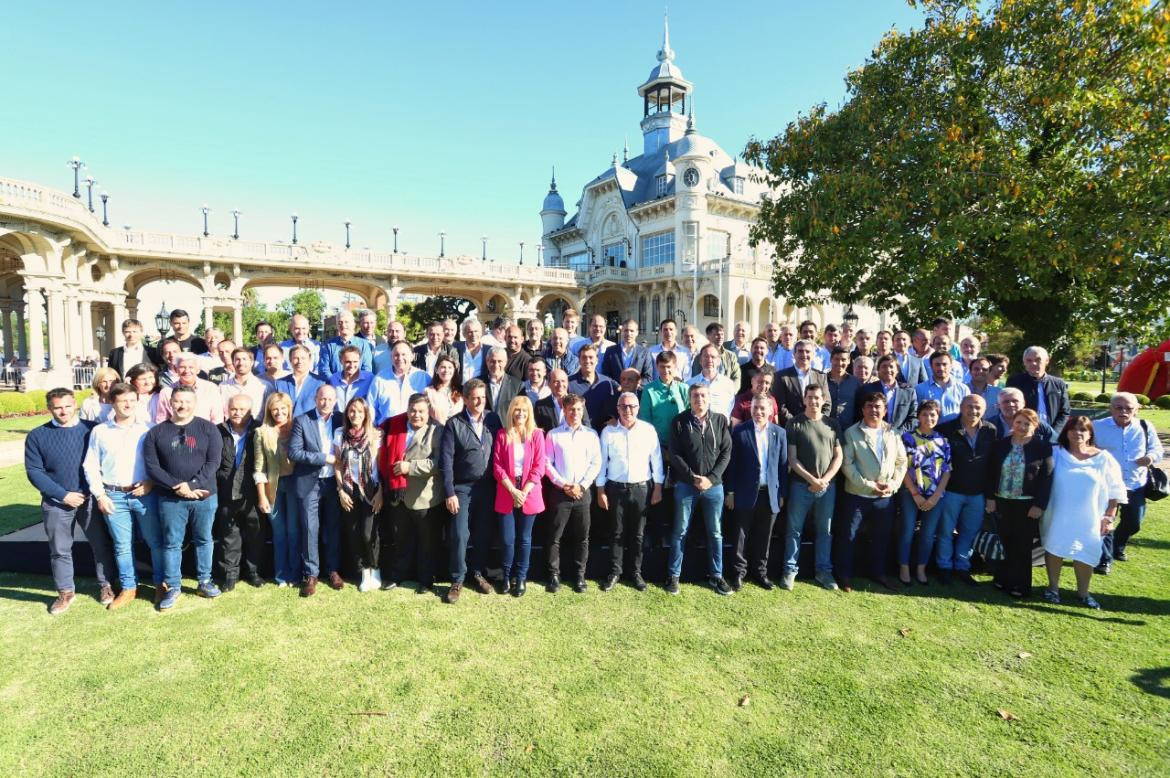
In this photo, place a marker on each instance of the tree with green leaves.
(1010, 157)
(416, 316)
(308, 302)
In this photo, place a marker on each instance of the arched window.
(656, 310)
(670, 308)
(642, 313)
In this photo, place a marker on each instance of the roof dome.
(552, 200)
(695, 145)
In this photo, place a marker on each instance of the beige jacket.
(863, 469)
(422, 488)
(272, 460)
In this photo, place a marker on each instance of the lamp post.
(395, 228)
(236, 218)
(1104, 365)
(347, 223)
(521, 252)
(442, 244)
(850, 317)
(206, 211)
(484, 239)
(539, 254)
(89, 182)
(100, 332)
(77, 165)
(105, 211)
(294, 221)
(162, 319)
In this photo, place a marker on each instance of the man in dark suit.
(1044, 393)
(237, 531)
(626, 354)
(310, 447)
(788, 386)
(135, 352)
(757, 478)
(472, 351)
(901, 399)
(548, 412)
(518, 358)
(912, 368)
(426, 354)
(501, 387)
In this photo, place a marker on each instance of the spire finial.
(553, 185)
(665, 54)
(614, 160)
(626, 151)
(691, 118)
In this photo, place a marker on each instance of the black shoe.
(765, 583)
(554, 584)
(227, 586)
(639, 582)
(1120, 556)
(672, 585)
(1103, 569)
(719, 585)
(965, 577)
(519, 589)
(512, 586)
(580, 586)
(736, 583)
(256, 582)
(609, 583)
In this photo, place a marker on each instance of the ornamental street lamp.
(162, 319)
(442, 244)
(347, 223)
(77, 165)
(206, 211)
(539, 254)
(294, 221)
(521, 252)
(850, 317)
(105, 211)
(395, 228)
(236, 217)
(100, 332)
(484, 239)
(89, 182)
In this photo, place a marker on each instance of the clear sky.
(432, 116)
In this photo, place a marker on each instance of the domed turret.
(552, 213)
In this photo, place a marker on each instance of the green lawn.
(16, 427)
(19, 501)
(263, 682)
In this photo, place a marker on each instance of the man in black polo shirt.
(971, 440)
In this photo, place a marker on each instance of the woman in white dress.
(1086, 490)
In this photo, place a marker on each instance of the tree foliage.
(309, 302)
(416, 316)
(1015, 163)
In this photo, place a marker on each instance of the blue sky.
(431, 116)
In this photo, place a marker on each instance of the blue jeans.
(129, 511)
(710, 504)
(800, 501)
(319, 518)
(286, 534)
(149, 527)
(175, 514)
(474, 521)
(930, 520)
(516, 530)
(964, 511)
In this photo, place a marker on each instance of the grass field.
(761, 683)
(16, 427)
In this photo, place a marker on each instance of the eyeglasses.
(627, 407)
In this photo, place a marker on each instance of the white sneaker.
(367, 580)
(375, 578)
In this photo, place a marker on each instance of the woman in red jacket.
(518, 464)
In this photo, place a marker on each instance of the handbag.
(1157, 482)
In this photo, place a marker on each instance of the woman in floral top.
(926, 482)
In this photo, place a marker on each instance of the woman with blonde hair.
(518, 464)
(97, 406)
(446, 399)
(355, 450)
(275, 493)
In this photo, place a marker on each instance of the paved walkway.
(11, 452)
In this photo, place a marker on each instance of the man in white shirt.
(1134, 443)
(667, 334)
(572, 463)
(721, 389)
(597, 325)
(135, 352)
(116, 473)
(631, 458)
(389, 396)
(471, 351)
(244, 380)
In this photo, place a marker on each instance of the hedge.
(1084, 397)
(1103, 397)
(1163, 402)
(1142, 399)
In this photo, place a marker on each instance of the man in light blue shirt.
(350, 381)
(823, 356)
(978, 381)
(390, 395)
(943, 388)
(1134, 444)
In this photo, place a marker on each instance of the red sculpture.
(1148, 373)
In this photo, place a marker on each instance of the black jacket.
(969, 464)
(699, 453)
(1037, 469)
(463, 457)
(115, 360)
(545, 414)
(420, 354)
(509, 388)
(905, 406)
(235, 484)
(1055, 397)
(786, 390)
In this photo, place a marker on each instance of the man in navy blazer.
(901, 399)
(628, 353)
(912, 369)
(310, 447)
(300, 385)
(756, 484)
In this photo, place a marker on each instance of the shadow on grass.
(1140, 542)
(1154, 680)
(19, 595)
(14, 517)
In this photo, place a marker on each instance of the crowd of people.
(367, 457)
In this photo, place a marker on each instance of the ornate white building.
(665, 233)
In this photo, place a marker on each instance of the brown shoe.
(453, 593)
(482, 585)
(106, 595)
(309, 587)
(62, 603)
(335, 581)
(125, 597)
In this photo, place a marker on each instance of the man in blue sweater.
(52, 460)
(182, 455)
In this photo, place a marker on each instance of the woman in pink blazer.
(518, 464)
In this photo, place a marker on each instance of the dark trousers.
(627, 502)
(752, 536)
(416, 542)
(571, 514)
(363, 534)
(475, 521)
(660, 517)
(59, 522)
(1129, 523)
(877, 514)
(239, 541)
(1018, 533)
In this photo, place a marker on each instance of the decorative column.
(392, 297)
(120, 315)
(34, 349)
(131, 307)
(21, 335)
(238, 323)
(57, 331)
(208, 315)
(6, 329)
